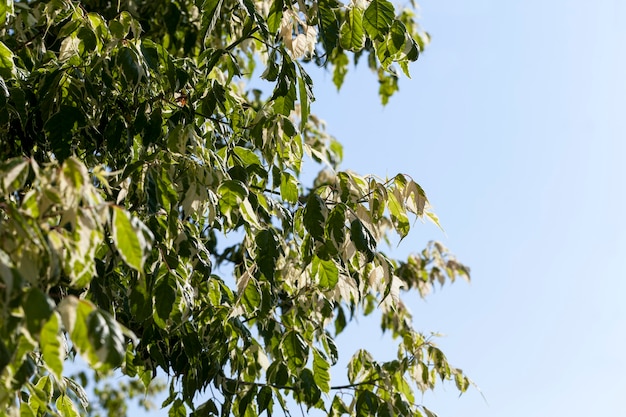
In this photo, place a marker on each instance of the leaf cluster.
(153, 219)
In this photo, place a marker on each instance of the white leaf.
(376, 276)
(69, 48)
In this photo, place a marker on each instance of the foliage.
(134, 154)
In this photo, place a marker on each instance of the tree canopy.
(154, 220)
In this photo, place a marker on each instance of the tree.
(153, 219)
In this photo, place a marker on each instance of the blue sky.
(513, 123)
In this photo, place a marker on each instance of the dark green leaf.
(150, 54)
(336, 225)
(328, 24)
(37, 308)
(106, 338)
(310, 390)
(128, 60)
(315, 216)
(366, 404)
(246, 400)
(295, 350)
(264, 399)
(164, 299)
(60, 128)
(268, 251)
(363, 239)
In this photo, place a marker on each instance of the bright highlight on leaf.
(127, 239)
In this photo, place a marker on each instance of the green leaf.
(289, 188)
(60, 128)
(306, 96)
(378, 18)
(127, 239)
(366, 404)
(285, 103)
(246, 400)
(52, 350)
(326, 272)
(321, 371)
(340, 69)
(37, 308)
(43, 392)
(232, 193)
(247, 156)
(338, 407)
(268, 251)
(310, 390)
(336, 225)
(415, 198)
(328, 24)
(164, 299)
(398, 215)
(26, 410)
(295, 350)
(66, 407)
(128, 60)
(387, 85)
(177, 409)
(14, 173)
(150, 53)
(107, 338)
(363, 239)
(7, 66)
(94, 333)
(315, 216)
(251, 296)
(264, 399)
(6, 10)
(397, 38)
(273, 20)
(351, 34)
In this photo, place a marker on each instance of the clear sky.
(514, 124)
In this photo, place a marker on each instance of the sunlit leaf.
(66, 407)
(326, 272)
(378, 18)
(126, 238)
(352, 35)
(52, 350)
(321, 371)
(7, 67)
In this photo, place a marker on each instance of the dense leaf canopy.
(153, 219)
